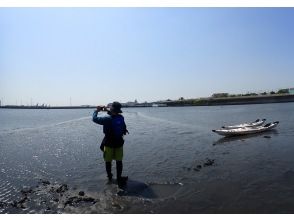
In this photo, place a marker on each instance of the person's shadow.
(138, 189)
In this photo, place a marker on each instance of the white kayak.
(246, 130)
(256, 123)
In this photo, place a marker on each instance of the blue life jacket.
(114, 132)
(118, 126)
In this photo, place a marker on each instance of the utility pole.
(70, 101)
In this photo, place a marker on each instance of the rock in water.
(81, 193)
(209, 162)
(62, 188)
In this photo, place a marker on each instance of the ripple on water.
(7, 191)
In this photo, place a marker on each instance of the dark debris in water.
(62, 189)
(81, 193)
(76, 201)
(187, 168)
(266, 136)
(208, 162)
(45, 182)
(25, 192)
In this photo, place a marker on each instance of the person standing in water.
(114, 128)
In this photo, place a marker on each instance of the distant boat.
(246, 130)
(155, 105)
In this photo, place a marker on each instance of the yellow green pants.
(112, 154)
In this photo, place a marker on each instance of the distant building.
(130, 104)
(291, 91)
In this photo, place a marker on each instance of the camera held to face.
(102, 108)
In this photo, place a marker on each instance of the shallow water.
(166, 156)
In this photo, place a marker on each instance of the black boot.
(108, 170)
(121, 180)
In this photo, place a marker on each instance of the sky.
(93, 56)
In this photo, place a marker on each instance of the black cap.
(116, 107)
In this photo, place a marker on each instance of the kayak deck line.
(256, 123)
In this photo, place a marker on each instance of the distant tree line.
(224, 95)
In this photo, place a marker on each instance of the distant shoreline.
(243, 100)
(41, 107)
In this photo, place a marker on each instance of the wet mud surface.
(47, 197)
